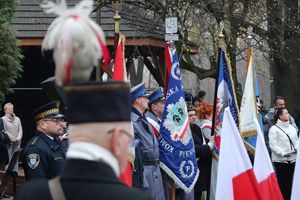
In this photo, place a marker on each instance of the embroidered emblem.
(177, 121)
(33, 160)
(187, 169)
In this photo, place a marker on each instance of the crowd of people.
(46, 154)
(110, 128)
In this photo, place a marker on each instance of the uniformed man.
(156, 109)
(154, 116)
(148, 149)
(43, 156)
(100, 139)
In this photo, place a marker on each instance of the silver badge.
(33, 160)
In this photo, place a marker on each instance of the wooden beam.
(110, 42)
(31, 41)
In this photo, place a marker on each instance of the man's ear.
(42, 124)
(138, 100)
(153, 106)
(116, 141)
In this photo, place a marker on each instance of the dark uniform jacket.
(82, 179)
(204, 155)
(42, 157)
(4, 144)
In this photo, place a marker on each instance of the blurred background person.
(203, 148)
(4, 143)
(13, 128)
(283, 141)
(268, 118)
(198, 98)
(205, 113)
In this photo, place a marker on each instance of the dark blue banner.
(177, 152)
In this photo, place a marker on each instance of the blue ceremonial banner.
(176, 146)
(225, 96)
(256, 90)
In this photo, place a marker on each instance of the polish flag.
(296, 182)
(126, 176)
(236, 178)
(120, 73)
(154, 125)
(263, 169)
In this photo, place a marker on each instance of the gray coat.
(152, 180)
(152, 116)
(166, 179)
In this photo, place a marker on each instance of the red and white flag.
(263, 169)
(236, 178)
(120, 73)
(154, 125)
(296, 182)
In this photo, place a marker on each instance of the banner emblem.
(177, 121)
(187, 169)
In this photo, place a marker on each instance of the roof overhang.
(110, 42)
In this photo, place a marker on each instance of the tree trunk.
(274, 15)
(291, 82)
(285, 55)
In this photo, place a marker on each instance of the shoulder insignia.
(34, 141)
(33, 160)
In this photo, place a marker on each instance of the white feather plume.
(50, 7)
(74, 38)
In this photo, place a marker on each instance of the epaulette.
(35, 140)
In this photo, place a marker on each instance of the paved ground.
(20, 173)
(9, 198)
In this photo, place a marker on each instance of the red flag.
(154, 125)
(264, 170)
(236, 178)
(126, 176)
(168, 63)
(120, 73)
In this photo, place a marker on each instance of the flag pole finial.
(221, 36)
(117, 7)
(249, 36)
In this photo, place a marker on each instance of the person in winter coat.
(283, 141)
